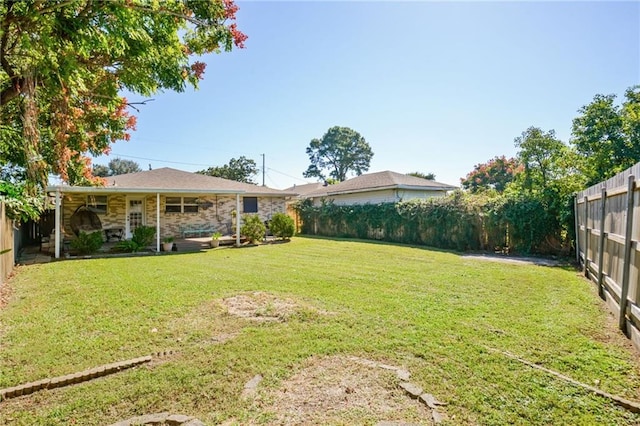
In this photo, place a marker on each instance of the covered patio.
(183, 206)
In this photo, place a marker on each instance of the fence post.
(622, 320)
(586, 236)
(577, 226)
(602, 242)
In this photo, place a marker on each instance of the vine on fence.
(460, 222)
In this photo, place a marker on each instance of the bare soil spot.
(260, 306)
(5, 294)
(342, 390)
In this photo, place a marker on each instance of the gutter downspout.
(57, 225)
(238, 220)
(157, 222)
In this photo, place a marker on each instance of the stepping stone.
(413, 390)
(251, 386)
(403, 375)
(430, 400)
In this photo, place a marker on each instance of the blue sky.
(432, 86)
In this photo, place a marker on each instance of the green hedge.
(460, 222)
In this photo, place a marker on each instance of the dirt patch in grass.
(341, 390)
(5, 294)
(221, 320)
(262, 307)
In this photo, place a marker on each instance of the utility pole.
(262, 169)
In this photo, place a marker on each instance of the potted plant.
(167, 243)
(215, 239)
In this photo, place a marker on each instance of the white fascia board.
(427, 188)
(353, 191)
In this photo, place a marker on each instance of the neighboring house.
(375, 188)
(171, 200)
(300, 192)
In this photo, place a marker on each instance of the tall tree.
(241, 169)
(63, 64)
(428, 176)
(541, 155)
(496, 174)
(607, 135)
(117, 166)
(340, 151)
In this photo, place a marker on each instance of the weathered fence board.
(607, 242)
(7, 259)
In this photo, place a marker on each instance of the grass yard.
(433, 313)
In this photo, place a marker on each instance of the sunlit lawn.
(435, 313)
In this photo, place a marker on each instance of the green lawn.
(434, 313)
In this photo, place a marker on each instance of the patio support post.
(57, 225)
(238, 220)
(157, 222)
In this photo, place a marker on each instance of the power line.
(200, 164)
(284, 174)
(161, 161)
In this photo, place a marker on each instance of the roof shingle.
(381, 180)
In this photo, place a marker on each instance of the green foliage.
(168, 240)
(340, 151)
(216, 236)
(460, 222)
(65, 64)
(21, 205)
(142, 237)
(87, 242)
(540, 154)
(241, 169)
(117, 166)
(252, 228)
(606, 135)
(428, 176)
(495, 174)
(282, 225)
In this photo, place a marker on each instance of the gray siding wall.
(377, 197)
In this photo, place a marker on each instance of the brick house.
(173, 201)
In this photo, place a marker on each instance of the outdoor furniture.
(85, 220)
(110, 233)
(196, 230)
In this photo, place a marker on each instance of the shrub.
(253, 228)
(282, 226)
(142, 237)
(87, 243)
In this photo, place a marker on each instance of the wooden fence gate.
(607, 236)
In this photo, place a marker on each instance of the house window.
(190, 205)
(250, 204)
(173, 205)
(97, 203)
(181, 205)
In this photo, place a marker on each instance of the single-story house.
(174, 201)
(375, 188)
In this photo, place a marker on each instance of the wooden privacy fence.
(6, 245)
(607, 245)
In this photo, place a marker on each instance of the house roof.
(167, 180)
(379, 181)
(302, 190)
